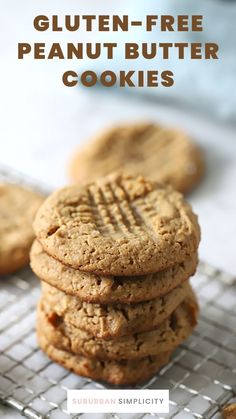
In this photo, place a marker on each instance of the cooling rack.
(201, 375)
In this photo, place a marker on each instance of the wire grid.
(201, 375)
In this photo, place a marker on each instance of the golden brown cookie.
(108, 289)
(18, 206)
(229, 411)
(118, 226)
(108, 321)
(171, 333)
(114, 372)
(161, 154)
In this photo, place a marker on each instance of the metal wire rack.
(201, 375)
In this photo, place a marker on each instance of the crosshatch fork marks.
(100, 213)
(112, 215)
(131, 221)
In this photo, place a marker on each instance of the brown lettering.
(103, 23)
(149, 54)
(105, 76)
(23, 49)
(125, 79)
(152, 78)
(123, 24)
(55, 52)
(183, 23)
(181, 49)
(55, 26)
(167, 78)
(140, 78)
(165, 46)
(196, 51)
(150, 22)
(89, 78)
(39, 51)
(67, 82)
(211, 50)
(131, 51)
(74, 51)
(110, 47)
(197, 23)
(72, 27)
(89, 22)
(41, 23)
(167, 23)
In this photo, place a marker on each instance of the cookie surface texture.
(108, 321)
(18, 206)
(229, 411)
(114, 372)
(171, 333)
(161, 154)
(108, 289)
(120, 225)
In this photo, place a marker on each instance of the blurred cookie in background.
(18, 206)
(229, 411)
(162, 154)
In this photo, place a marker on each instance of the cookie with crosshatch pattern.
(159, 153)
(119, 225)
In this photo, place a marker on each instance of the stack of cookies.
(114, 258)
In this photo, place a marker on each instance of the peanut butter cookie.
(118, 226)
(171, 333)
(115, 372)
(18, 206)
(108, 321)
(161, 154)
(108, 289)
